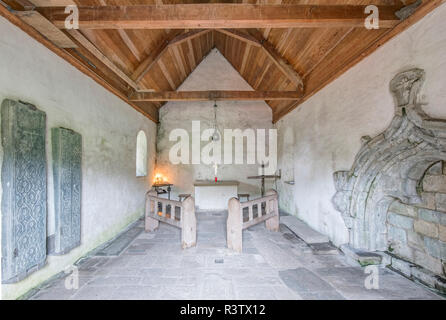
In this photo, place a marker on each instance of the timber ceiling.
(285, 63)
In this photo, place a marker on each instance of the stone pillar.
(234, 225)
(272, 224)
(188, 223)
(150, 223)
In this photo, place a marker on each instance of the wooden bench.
(267, 209)
(157, 210)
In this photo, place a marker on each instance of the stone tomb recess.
(383, 198)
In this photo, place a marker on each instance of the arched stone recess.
(390, 166)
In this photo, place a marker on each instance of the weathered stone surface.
(67, 172)
(427, 200)
(428, 262)
(397, 234)
(24, 184)
(361, 257)
(400, 221)
(403, 209)
(435, 247)
(424, 276)
(415, 240)
(426, 228)
(436, 169)
(440, 201)
(429, 215)
(402, 266)
(442, 233)
(435, 183)
(303, 230)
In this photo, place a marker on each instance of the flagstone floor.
(273, 265)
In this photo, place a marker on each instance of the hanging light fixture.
(215, 135)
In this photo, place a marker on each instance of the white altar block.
(214, 196)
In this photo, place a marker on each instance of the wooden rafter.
(278, 60)
(98, 54)
(214, 95)
(217, 16)
(46, 28)
(174, 38)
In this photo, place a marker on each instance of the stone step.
(303, 231)
(323, 248)
(364, 258)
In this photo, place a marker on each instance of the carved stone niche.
(390, 166)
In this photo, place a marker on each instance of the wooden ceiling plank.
(179, 61)
(245, 58)
(129, 43)
(192, 61)
(174, 38)
(222, 15)
(46, 28)
(98, 54)
(152, 58)
(214, 95)
(166, 74)
(241, 36)
(278, 60)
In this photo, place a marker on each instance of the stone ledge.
(303, 231)
(364, 258)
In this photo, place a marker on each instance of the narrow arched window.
(141, 154)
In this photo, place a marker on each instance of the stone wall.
(213, 73)
(417, 233)
(112, 196)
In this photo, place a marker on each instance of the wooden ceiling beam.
(46, 28)
(221, 15)
(214, 95)
(98, 54)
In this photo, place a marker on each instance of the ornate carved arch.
(390, 165)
